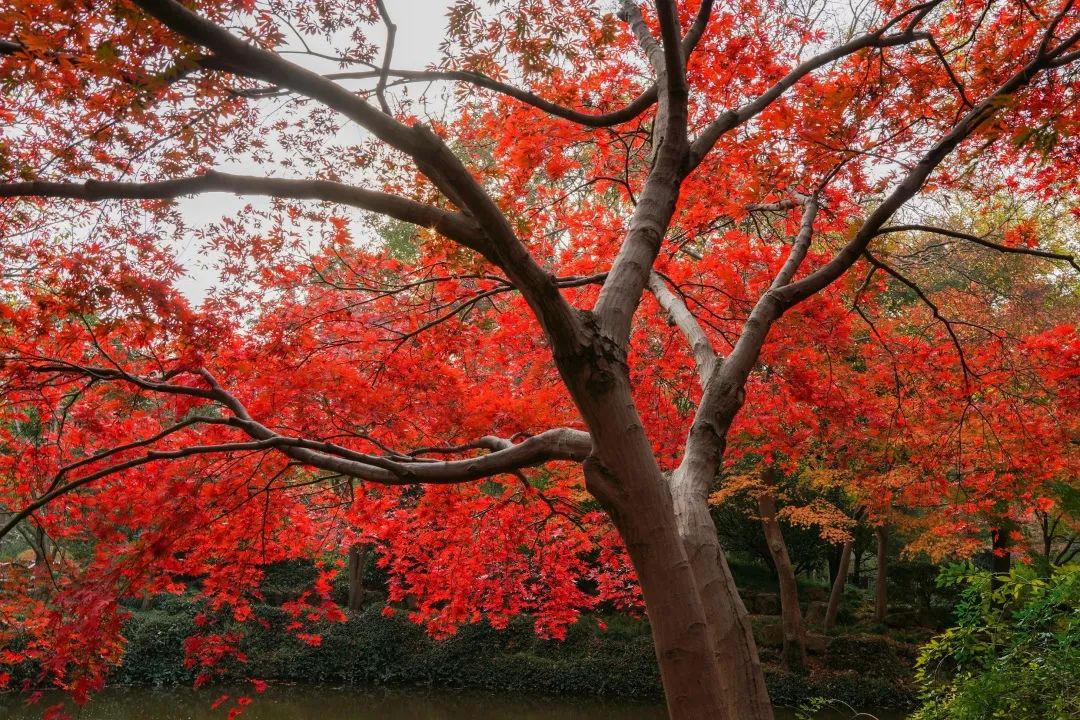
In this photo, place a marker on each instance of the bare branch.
(388, 55)
(99, 456)
(981, 241)
(893, 272)
(616, 117)
(149, 457)
(431, 155)
(556, 444)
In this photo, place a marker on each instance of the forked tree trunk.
(794, 652)
(837, 594)
(881, 585)
(622, 473)
(743, 682)
(693, 684)
(703, 643)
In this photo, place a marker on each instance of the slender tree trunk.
(1000, 556)
(358, 556)
(743, 682)
(881, 586)
(794, 653)
(833, 556)
(837, 594)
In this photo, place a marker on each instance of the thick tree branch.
(908, 187)
(505, 457)
(800, 246)
(431, 155)
(697, 30)
(556, 444)
(630, 13)
(629, 274)
(724, 393)
(674, 58)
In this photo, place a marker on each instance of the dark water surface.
(319, 703)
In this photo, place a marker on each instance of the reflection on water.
(317, 703)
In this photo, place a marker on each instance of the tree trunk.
(622, 473)
(684, 650)
(881, 586)
(743, 682)
(833, 556)
(794, 653)
(837, 594)
(358, 556)
(1000, 556)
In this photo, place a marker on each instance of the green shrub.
(1013, 653)
(154, 654)
(870, 655)
(287, 580)
(370, 649)
(852, 688)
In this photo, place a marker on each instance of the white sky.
(421, 28)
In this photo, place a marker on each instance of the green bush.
(370, 649)
(1013, 653)
(870, 655)
(850, 687)
(154, 654)
(287, 580)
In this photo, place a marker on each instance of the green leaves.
(1014, 652)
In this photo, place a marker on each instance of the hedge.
(370, 649)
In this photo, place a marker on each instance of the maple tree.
(469, 377)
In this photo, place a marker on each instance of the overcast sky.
(421, 28)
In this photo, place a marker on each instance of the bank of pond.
(305, 702)
(378, 663)
(603, 660)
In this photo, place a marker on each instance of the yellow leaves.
(833, 524)
(938, 546)
(823, 478)
(735, 485)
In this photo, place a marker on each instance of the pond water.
(320, 703)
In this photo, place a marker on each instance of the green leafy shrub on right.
(1013, 653)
